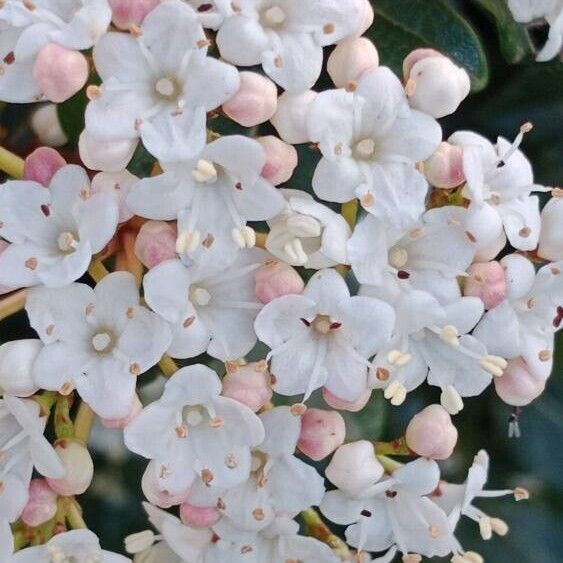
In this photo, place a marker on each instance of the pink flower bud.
(518, 386)
(155, 243)
(290, 119)
(551, 237)
(486, 281)
(136, 408)
(118, 185)
(274, 279)
(350, 59)
(5, 288)
(255, 102)
(154, 494)
(60, 72)
(321, 433)
(199, 516)
(431, 433)
(41, 505)
(110, 156)
(79, 468)
(249, 384)
(130, 12)
(350, 406)
(40, 166)
(444, 169)
(46, 125)
(281, 160)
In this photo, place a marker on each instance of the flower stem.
(64, 427)
(168, 366)
(316, 528)
(389, 464)
(97, 270)
(74, 516)
(396, 447)
(11, 164)
(83, 422)
(350, 214)
(261, 239)
(12, 304)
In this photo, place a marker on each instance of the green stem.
(64, 427)
(316, 528)
(74, 516)
(11, 164)
(389, 464)
(396, 447)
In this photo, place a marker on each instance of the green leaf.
(142, 162)
(513, 39)
(71, 116)
(403, 25)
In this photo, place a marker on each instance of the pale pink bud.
(551, 237)
(41, 505)
(136, 408)
(118, 185)
(434, 84)
(255, 102)
(281, 160)
(108, 155)
(350, 59)
(518, 386)
(486, 281)
(40, 166)
(153, 492)
(274, 279)
(342, 405)
(431, 433)
(199, 516)
(130, 12)
(444, 169)
(60, 72)
(321, 433)
(155, 243)
(249, 384)
(79, 468)
(5, 288)
(290, 119)
(47, 126)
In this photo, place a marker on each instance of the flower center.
(200, 296)
(323, 324)
(167, 88)
(67, 242)
(365, 149)
(398, 257)
(273, 17)
(204, 172)
(57, 555)
(101, 341)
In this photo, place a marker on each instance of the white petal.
(242, 40)
(522, 223)
(327, 289)
(367, 251)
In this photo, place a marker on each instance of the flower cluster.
(409, 259)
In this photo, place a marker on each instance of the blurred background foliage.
(509, 88)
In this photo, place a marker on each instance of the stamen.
(396, 392)
(495, 365)
(139, 542)
(294, 249)
(365, 148)
(304, 226)
(520, 493)
(485, 528)
(244, 237)
(450, 335)
(499, 526)
(451, 400)
(187, 241)
(524, 128)
(200, 296)
(204, 172)
(398, 257)
(67, 242)
(101, 341)
(274, 16)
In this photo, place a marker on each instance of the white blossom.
(16, 363)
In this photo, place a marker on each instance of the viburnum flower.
(159, 90)
(525, 322)
(196, 433)
(22, 447)
(96, 340)
(208, 309)
(16, 363)
(76, 545)
(370, 140)
(213, 195)
(55, 231)
(286, 36)
(27, 27)
(323, 337)
(308, 233)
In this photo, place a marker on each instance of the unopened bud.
(155, 243)
(42, 164)
(487, 282)
(340, 404)
(136, 408)
(199, 516)
(117, 185)
(290, 119)
(249, 384)
(350, 59)
(127, 13)
(47, 126)
(16, 362)
(518, 386)
(321, 433)
(281, 160)
(551, 237)
(79, 468)
(41, 505)
(444, 169)
(431, 433)
(108, 155)
(274, 279)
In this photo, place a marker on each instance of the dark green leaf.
(71, 116)
(142, 162)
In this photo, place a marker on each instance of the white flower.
(209, 309)
(16, 362)
(54, 232)
(370, 140)
(159, 89)
(97, 340)
(22, 447)
(286, 36)
(323, 337)
(194, 433)
(308, 233)
(525, 322)
(81, 546)
(26, 27)
(213, 195)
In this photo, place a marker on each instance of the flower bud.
(354, 467)
(16, 361)
(321, 433)
(434, 84)
(431, 433)
(127, 13)
(444, 169)
(118, 185)
(41, 505)
(255, 102)
(342, 405)
(350, 59)
(551, 237)
(274, 279)
(487, 282)
(155, 243)
(47, 126)
(4, 288)
(518, 386)
(153, 493)
(136, 408)
(79, 468)
(60, 72)
(42, 164)
(290, 119)
(520, 275)
(110, 156)
(199, 516)
(249, 384)
(281, 160)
